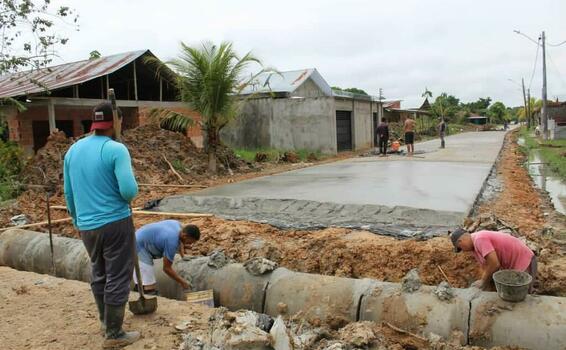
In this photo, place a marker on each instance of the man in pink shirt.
(495, 251)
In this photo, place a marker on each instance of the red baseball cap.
(102, 118)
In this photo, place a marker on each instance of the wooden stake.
(171, 167)
(115, 117)
(163, 213)
(172, 185)
(62, 207)
(400, 330)
(443, 274)
(38, 224)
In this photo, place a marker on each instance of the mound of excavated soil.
(158, 156)
(47, 165)
(335, 251)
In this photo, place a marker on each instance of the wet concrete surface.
(437, 181)
(402, 222)
(416, 184)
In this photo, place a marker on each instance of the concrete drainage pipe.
(537, 323)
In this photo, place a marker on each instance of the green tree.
(445, 106)
(427, 93)
(30, 37)
(497, 113)
(209, 80)
(536, 106)
(479, 107)
(94, 55)
(31, 33)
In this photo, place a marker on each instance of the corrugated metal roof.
(287, 81)
(56, 77)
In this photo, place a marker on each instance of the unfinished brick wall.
(20, 124)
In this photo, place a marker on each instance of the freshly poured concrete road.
(447, 179)
(442, 182)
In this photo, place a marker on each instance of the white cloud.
(466, 48)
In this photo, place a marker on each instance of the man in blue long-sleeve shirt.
(99, 186)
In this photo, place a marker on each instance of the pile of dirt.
(290, 157)
(335, 251)
(158, 156)
(166, 157)
(47, 165)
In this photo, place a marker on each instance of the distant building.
(299, 110)
(394, 112)
(477, 119)
(556, 120)
(62, 97)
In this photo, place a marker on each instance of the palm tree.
(427, 93)
(209, 80)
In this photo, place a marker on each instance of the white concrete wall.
(251, 128)
(308, 89)
(363, 125)
(306, 123)
(286, 124)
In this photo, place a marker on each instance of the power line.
(556, 69)
(534, 67)
(556, 45)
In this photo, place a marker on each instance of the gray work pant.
(111, 248)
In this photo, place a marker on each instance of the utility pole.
(544, 110)
(525, 102)
(529, 111)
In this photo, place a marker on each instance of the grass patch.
(273, 154)
(552, 152)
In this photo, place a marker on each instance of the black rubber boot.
(99, 299)
(115, 336)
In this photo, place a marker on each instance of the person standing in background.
(409, 129)
(383, 136)
(442, 132)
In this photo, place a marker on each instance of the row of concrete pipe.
(480, 318)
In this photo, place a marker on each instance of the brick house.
(62, 97)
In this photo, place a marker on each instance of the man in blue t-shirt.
(162, 239)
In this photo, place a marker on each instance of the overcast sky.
(466, 48)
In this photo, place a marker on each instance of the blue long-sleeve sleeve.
(124, 173)
(68, 190)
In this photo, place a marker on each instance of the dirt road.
(43, 312)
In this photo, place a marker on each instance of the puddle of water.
(545, 180)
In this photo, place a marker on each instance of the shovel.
(143, 305)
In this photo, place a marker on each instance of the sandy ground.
(44, 312)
